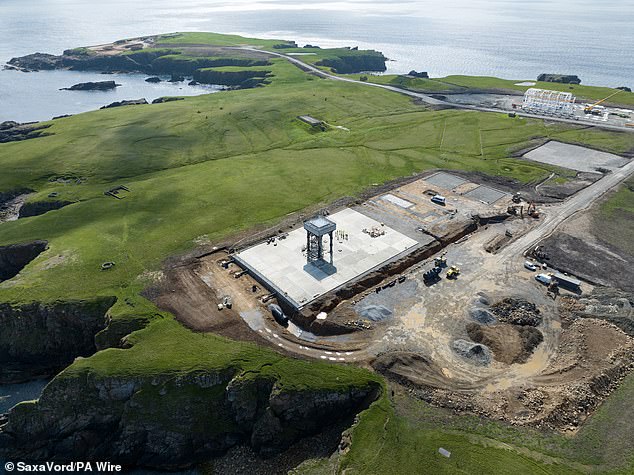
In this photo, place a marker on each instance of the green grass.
(615, 218)
(218, 164)
(385, 441)
(411, 431)
(222, 163)
(215, 39)
(165, 347)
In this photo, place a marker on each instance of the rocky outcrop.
(15, 257)
(161, 100)
(356, 62)
(92, 86)
(6, 196)
(131, 102)
(561, 78)
(245, 79)
(38, 338)
(37, 61)
(11, 131)
(148, 61)
(171, 421)
(416, 74)
(153, 79)
(36, 208)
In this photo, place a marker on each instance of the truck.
(544, 278)
(438, 199)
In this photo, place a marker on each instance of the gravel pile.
(375, 313)
(474, 352)
(517, 312)
(482, 316)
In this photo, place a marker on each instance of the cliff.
(149, 61)
(15, 257)
(36, 208)
(353, 61)
(245, 79)
(38, 338)
(174, 419)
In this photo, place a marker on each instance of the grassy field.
(615, 219)
(411, 432)
(218, 164)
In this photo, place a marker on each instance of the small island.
(92, 86)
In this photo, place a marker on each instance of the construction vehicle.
(441, 261)
(432, 275)
(532, 210)
(453, 272)
(591, 108)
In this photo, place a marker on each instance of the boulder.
(153, 79)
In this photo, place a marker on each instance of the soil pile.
(509, 343)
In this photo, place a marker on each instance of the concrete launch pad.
(282, 265)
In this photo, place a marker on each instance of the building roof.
(319, 226)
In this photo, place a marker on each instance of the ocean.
(506, 38)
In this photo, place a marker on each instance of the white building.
(543, 101)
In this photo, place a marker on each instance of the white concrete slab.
(575, 157)
(397, 201)
(284, 266)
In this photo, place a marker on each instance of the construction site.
(444, 283)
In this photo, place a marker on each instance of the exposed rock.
(247, 78)
(561, 78)
(193, 83)
(11, 131)
(356, 62)
(15, 257)
(37, 61)
(167, 421)
(131, 102)
(38, 338)
(36, 208)
(92, 86)
(161, 100)
(415, 74)
(177, 78)
(153, 79)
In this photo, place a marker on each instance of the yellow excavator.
(590, 108)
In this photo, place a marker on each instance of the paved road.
(427, 98)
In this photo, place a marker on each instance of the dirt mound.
(410, 369)
(509, 343)
(517, 312)
(474, 352)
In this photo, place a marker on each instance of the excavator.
(590, 108)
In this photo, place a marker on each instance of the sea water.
(507, 38)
